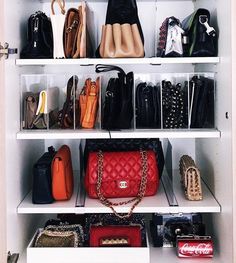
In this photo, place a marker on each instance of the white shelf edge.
(200, 133)
(78, 134)
(61, 134)
(127, 61)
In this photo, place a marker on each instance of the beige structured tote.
(121, 41)
(122, 35)
(58, 21)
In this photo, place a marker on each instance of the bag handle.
(136, 200)
(106, 68)
(61, 4)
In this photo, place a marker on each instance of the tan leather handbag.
(72, 32)
(88, 103)
(76, 37)
(122, 35)
(121, 41)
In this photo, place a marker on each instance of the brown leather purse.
(88, 103)
(76, 44)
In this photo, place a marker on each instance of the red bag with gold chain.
(120, 175)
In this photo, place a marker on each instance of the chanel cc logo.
(123, 184)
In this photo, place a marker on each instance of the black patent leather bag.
(118, 145)
(42, 181)
(39, 38)
(200, 37)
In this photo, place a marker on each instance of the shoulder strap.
(61, 4)
(106, 68)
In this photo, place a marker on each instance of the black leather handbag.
(118, 145)
(165, 228)
(117, 110)
(201, 100)
(42, 181)
(148, 106)
(39, 38)
(200, 38)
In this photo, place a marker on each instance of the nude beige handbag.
(190, 178)
(121, 41)
(122, 35)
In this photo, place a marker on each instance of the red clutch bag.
(115, 236)
(121, 174)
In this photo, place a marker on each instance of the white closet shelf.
(117, 61)
(62, 134)
(90, 134)
(153, 204)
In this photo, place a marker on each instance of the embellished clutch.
(47, 238)
(190, 178)
(115, 236)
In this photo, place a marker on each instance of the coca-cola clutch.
(194, 246)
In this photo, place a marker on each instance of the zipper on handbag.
(36, 28)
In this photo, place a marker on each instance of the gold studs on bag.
(190, 178)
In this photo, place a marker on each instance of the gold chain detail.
(136, 200)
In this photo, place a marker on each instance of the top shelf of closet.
(117, 61)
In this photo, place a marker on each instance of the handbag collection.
(67, 34)
(121, 101)
(116, 173)
(120, 168)
(109, 231)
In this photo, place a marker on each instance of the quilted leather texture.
(125, 145)
(121, 167)
(132, 233)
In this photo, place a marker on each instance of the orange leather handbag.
(62, 174)
(88, 101)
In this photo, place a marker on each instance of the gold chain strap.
(136, 200)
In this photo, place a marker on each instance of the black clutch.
(166, 228)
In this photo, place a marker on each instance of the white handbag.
(58, 22)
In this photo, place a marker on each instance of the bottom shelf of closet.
(167, 255)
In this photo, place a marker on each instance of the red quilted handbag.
(121, 174)
(115, 236)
